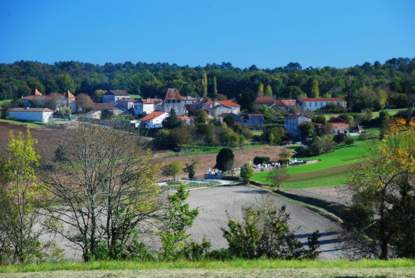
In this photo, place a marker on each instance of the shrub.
(261, 160)
(349, 140)
(264, 232)
(339, 138)
(246, 172)
(225, 159)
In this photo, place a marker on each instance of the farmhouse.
(313, 104)
(113, 96)
(174, 100)
(224, 107)
(53, 101)
(30, 114)
(154, 119)
(292, 124)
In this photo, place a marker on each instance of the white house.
(154, 119)
(292, 123)
(224, 107)
(55, 101)
(146, 106)
(30, 114)
(312, 104)
(126, 104)
(113, 96)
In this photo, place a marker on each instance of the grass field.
(231, 264)
(375, 114)
(5, 102)
(28, 124)
(331, 169)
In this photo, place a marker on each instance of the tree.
(172, 169)
(178, 218)
(260, 91)
(65, 82)
(106, 188)
(314, 88)
(274, 135)
(268, 90)
(172, 121)
(21, 201)
(306, 129)
(383, 199)
(190, 169)
(278, 176)
(264, 232)
(215, 88)
(84, 102)
(224, 159)
(205, 84)
(246, 172)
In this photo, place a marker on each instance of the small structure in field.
(41, 115)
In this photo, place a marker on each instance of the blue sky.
(265, 33)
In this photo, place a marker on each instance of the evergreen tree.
(315, 90)
(260, 91)
(215, 87)
(205, 84)
(268, 91)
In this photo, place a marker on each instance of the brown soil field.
(47, 138)
(206, 161)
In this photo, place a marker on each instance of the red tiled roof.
(228, 103)
(320, 99)
(104, 106)
(285, 102)
(339, 125)
(265, 100)
(151, 100)
(152, 116)
(173, 94)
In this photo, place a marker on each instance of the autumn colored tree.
(20, 200)
(384, 193)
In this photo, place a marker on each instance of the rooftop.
(152, 116)
(30, 110)
(173, 94)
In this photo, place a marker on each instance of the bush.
(264, 232)
(339, 138)
(349, 140)
(246, 172)
(261, 160)
(224, 159)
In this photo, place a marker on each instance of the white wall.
(157, 122)
(31, 116)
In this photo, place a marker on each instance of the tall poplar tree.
(215, 87)
(268, 90)
(260, 91)
(205, 84)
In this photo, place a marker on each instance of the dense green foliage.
(376, 85)
(224, 159)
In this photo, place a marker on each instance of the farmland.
(330, 169)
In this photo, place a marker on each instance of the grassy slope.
(238, 263)
(332, 168)
(28, 124)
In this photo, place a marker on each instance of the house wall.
(291, 125)
(143, 108)
(31, 116)
(156, 122)
(219, 110)
(177, 105)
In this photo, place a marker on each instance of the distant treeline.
(370, 85)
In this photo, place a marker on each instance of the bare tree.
(102, 191)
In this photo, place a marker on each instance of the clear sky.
(265, 33)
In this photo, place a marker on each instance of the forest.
(371, 86)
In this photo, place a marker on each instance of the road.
(216, 204)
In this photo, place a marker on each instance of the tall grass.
(231, 264)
